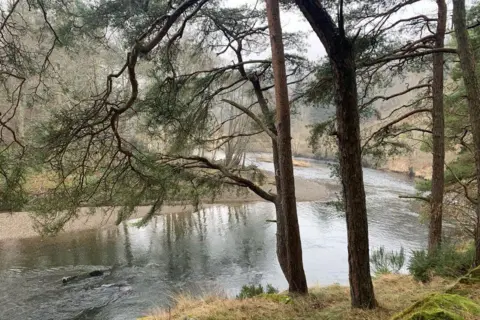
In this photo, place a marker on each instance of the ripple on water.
(214, 250)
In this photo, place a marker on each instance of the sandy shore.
(20, 224)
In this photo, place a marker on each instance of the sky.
(294, 21)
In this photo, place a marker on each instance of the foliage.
(387, 262)
(12, 179)
(448, 261)
(99, 149)
(339, 202)
(250, 291)
(420, 265)
(423, 185)
(319, 91)
(318, 134)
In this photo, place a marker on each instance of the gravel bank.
(20, 225)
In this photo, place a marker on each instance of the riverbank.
(418, 167)
(20, 224)
(394, 293)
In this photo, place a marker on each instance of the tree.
(27, 44)
(342, 58)
(386, 138)
(472, 88)
(98, 162)
(357, 60)
(438, 134)
(296, 274)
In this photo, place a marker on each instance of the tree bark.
(296, 275)
(438, 129)
(349, 142)
(341, 54)
(281, 223)
(472, 86)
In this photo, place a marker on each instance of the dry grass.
(394, 293)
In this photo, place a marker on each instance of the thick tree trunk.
(438, 129)
(342, 57)
(296, 275)
(472, 86)
(349, 143)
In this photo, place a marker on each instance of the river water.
(217, 249)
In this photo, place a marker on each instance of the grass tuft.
(394, 293)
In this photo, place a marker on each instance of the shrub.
(387, 262)
(448, 262)
(452, 262)
(250, 291)
(420, 266)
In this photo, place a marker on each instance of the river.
(214, 250)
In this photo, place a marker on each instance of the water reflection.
(219, 248)
(222, 247)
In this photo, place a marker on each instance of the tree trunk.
(472, 87)
(296, 274)
(341, 54)
(438, 129)
(349, 143)
(281, 223)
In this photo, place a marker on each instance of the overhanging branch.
(237, 179)
(253, 117)
(388, 125)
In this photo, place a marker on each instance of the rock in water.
(68, 279)
(94, 273)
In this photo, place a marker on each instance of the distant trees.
(27, 43)
(472, 89)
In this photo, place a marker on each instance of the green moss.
(440, 307)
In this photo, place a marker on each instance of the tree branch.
(464, 186)
(407, 56)
(385, 98)
(240, 180)
(253, 117)
(405, 116)
(426, 199)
